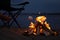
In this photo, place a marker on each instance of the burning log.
(40, 27)
(46, 33)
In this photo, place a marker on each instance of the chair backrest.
(4, 4)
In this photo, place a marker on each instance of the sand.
(17, 34)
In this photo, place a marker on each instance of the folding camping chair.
(19, 11)
(6, 19)
(9, 9)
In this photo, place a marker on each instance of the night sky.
(48, 6)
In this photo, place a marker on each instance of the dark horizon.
(43, 6)
(33, 6)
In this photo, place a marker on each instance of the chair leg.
(15, 16)
(14, 19)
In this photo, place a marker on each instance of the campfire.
(40, 26)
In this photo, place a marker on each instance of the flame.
(47, 26)
(34, 31)
(40, 19)
(32, 25)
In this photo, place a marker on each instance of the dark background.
(35, 6)
(49, 6)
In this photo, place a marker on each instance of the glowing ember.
(41, 30)
(55, 33)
